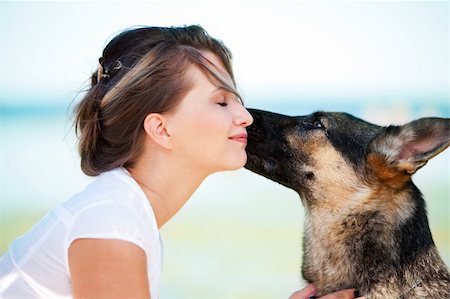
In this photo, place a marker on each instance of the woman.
(161, 115)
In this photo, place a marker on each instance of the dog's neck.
(370, 235)
(381, 214)
(395, 206)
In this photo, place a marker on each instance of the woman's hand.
(310, 292)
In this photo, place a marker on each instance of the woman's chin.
(232, 163)
(239, 163)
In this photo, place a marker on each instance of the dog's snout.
(256, 134)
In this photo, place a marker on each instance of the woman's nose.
(243, 117)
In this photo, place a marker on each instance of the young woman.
(161, 115)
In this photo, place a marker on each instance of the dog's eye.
(317, 124)
(313, 123)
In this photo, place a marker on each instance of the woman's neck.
(167, 184)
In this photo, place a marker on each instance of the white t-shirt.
(113, 206)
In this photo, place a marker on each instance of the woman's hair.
(142, 70)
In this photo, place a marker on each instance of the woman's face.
(208, 125)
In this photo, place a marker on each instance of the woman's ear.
(155, 128)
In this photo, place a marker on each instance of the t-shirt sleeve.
(107, 220)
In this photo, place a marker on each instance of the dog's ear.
(409, 147)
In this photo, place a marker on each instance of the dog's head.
(331, 156)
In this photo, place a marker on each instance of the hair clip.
(104, 72)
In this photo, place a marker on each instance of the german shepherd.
(366, 225)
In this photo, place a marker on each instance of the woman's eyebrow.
(219, 88)
(226, 91)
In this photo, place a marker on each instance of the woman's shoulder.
(110, 219)
(114, 187)
(113, 202)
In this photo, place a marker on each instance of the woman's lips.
(240, 138)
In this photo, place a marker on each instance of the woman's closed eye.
(222, 101)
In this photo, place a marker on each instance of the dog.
(366, 225)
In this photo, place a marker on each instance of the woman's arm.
(107, 268)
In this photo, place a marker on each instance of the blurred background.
(240, 235)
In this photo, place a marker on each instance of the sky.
(346, 49)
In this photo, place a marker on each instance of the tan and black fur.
(366, 225)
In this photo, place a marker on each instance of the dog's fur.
(366, 225)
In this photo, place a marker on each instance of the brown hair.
(142, 70)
